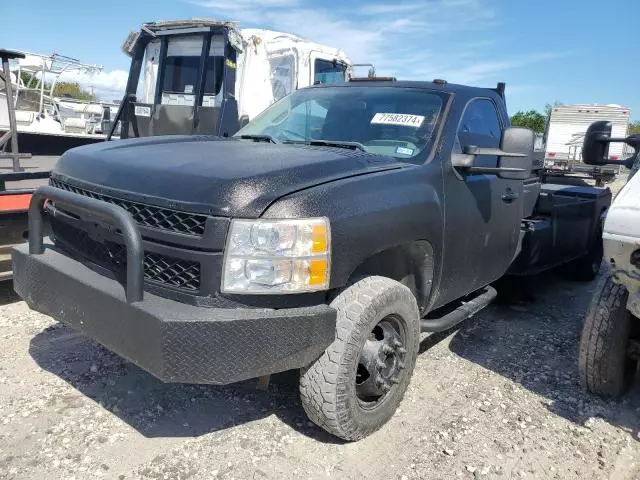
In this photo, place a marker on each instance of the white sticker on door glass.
(142, 111)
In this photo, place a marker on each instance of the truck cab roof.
(436, 85)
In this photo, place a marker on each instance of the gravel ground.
(497, 397)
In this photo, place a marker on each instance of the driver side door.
(482, 211)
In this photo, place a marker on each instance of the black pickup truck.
(324, 236)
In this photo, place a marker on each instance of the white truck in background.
(564, 135)
(208, 76)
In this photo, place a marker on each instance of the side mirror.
(595, 148)
(634, 142)
(515, 155)
(521, 141)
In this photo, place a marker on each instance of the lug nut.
(402, 351)
(397, 343)
(385, 387)
(380, 365)
(387, 350)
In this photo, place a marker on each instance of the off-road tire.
(605, 368)
(328, 386)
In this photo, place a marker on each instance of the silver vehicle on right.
(610, 344)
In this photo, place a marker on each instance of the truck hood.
(224, 177)
(623, 217)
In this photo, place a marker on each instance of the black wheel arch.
(411, 264)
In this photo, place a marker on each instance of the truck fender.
(375, 218)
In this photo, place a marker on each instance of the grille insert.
(147, 215)
(158, 269)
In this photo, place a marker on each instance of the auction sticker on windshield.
(398, 119)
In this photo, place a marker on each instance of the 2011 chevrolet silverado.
(324, 236)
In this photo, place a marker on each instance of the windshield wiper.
(330, 143)
(259, 138)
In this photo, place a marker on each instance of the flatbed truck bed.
(16, 189)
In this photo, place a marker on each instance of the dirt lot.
(496, 398)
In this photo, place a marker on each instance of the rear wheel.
(586, 268)
(605, 366)
(355, 387)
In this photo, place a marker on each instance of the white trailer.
(565, 131)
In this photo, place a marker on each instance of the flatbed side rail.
(106, 211)
(18, 176)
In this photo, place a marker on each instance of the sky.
(571, 51)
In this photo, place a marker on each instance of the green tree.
(72, 90)
(549, 106)
(26, 78)
(531, 119)
(62, 89)
(634, 128)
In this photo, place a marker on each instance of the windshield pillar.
(162, 58)
(124, 111)
(229, 119)
(202, 72)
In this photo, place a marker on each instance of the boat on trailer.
(197, 76)
(48, 124)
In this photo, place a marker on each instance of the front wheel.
(355, 387)
(605, 366)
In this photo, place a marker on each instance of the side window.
(325, 71)
(283, 75)
(480, 126)
(146, 90)
(214, 73)
(181, 70)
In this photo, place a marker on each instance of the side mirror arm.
(465, 161)
(473, 150)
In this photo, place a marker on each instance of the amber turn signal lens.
(319, 239)
(318, 272)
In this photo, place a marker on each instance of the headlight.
(277, 256)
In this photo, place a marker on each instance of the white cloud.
(451, 39)
(105, 85)
(480, 69)
(413, 40)
(248, 10)
(389, 8)
(243, 4)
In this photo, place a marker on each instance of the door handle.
(509, 195)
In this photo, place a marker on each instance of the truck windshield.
(181, 68)
(398, 122)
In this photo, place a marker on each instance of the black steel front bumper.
(173, 341)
